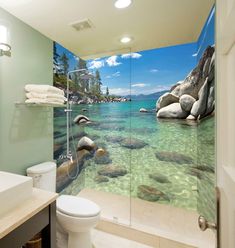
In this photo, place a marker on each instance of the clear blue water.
(174, 136)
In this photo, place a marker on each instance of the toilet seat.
(77, 206)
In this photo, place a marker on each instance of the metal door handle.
(204, 224)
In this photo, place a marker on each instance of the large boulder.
(206, 68)
(165, 100)
(195, 79)
(210, 100)
(199, 107)
(112, 171)
(86, 143)
(186, 102)
(173, 110)
(211, 73)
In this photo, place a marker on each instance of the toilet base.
(78, 240)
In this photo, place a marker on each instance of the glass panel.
(205, 170)
(99, 132)
(108, 172)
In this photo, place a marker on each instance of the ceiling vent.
(82, 25)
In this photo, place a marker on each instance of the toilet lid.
(77, 206)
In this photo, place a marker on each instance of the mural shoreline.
(117, 137)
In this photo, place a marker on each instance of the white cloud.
(131, 55)
(194, 55)
(119, 91)
(139, 85)
(112, 61)
(154, 70)
(116, 74)
(96, 64)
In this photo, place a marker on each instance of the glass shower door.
(107, 174)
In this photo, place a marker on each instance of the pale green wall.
(26, 134)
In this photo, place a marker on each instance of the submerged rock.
(81, 119)
(86, 143)
(101, 179)
(159, 177)
(173, 110)
(186, 102)
(173, 157)
(148, 193)
(114, 139)
(112, 171)
(133, 143)
(143, 110)
(107, 126)
(195, 172)
(102, 156)
(165, 100)
(205, 168)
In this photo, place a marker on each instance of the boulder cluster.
(194, 97)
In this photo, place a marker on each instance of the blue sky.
(152, 70)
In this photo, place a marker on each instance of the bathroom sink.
(14, 190)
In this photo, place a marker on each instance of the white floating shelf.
(40, 105)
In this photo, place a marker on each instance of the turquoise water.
(178, 138)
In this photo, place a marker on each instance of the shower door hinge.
(204, 224)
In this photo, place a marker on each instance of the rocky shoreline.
(194, 97)
(74, 99)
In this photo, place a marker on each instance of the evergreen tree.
(55, 54)
(84, 83)
(64, 61)
(98, 82)
(107, 91)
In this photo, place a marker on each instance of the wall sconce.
(5, 48)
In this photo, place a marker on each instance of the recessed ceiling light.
(121, 4)
(125, 39)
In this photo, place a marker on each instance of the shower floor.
(157, 221)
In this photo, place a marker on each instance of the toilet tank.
(44, 176)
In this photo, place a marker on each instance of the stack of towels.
(44, 94)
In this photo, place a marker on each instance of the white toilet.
(76, 215)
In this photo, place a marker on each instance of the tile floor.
(162, 221)
(106, 240)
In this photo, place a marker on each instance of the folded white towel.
(41, 88)
(45, 96)
(45, 101)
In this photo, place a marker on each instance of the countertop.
(16, 217)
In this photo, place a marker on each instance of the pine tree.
(84, 83)
(98, 82)
(55, 54)
(107, 91)
(64, 60)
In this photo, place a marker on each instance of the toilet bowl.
(77, 216)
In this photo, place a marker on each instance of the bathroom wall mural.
(155, 130)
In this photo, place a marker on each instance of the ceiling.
(151, 23)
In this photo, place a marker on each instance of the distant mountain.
(155, 96)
